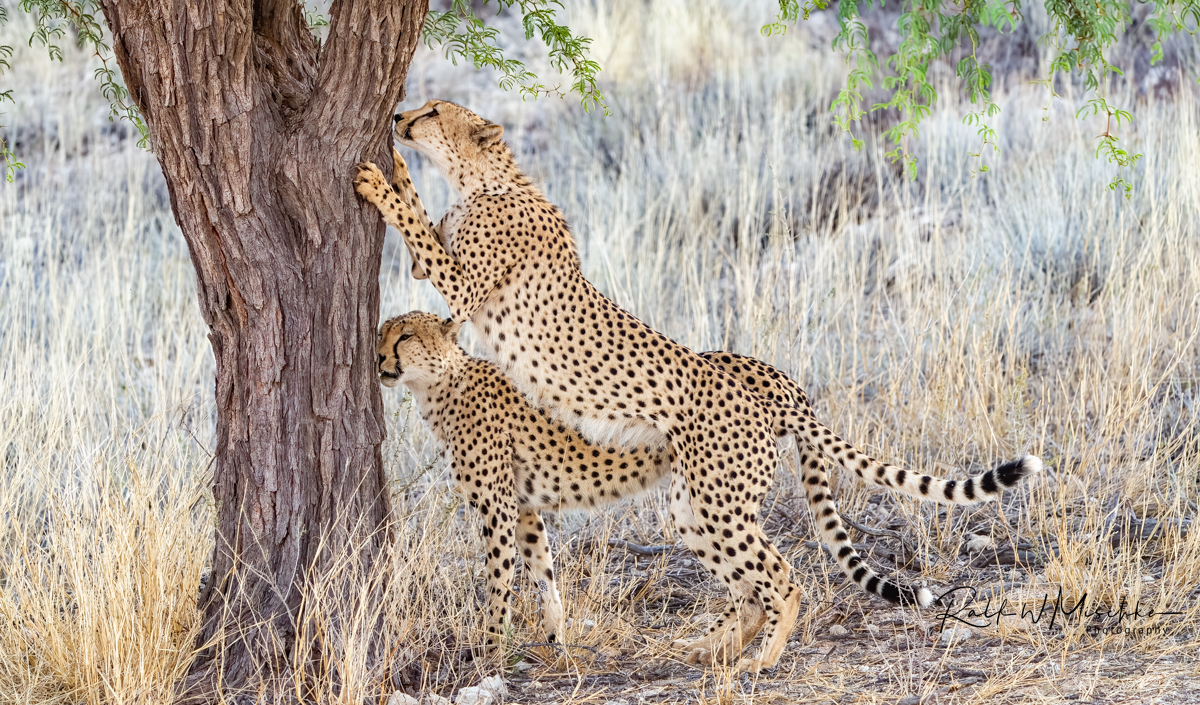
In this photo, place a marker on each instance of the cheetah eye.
(431, 114)
(405, 337)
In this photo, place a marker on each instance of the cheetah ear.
(450, 329)
(487, 135)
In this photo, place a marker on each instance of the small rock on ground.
(975, 544)
(955, 635)
(490, 691)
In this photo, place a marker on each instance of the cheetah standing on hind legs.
(506, 262)
(513, 272)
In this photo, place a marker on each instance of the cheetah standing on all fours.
(512, 461)
(506, 261)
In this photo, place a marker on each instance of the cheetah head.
(415, 349)
(449, 134)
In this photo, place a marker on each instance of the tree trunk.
(257, 129)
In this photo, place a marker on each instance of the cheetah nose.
(381, 359)
(396, 117)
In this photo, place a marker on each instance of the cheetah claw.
(400, 175)
(368, 181)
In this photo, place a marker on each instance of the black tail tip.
(1011, 473)
(905, 595)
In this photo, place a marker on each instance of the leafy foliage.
(51, 18)
(459, 31)
(314, 19)
(10, 161)
(463, 35)
(932, 29)
(929, 30)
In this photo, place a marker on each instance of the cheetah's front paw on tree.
(371, 184)
(401, 179)
(402, 185)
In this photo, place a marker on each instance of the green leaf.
(462, 35)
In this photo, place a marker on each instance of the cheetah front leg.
(483, 475)
(499, 533)
(464, 289)
(539, 565)
(402, 184)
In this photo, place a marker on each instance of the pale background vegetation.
(943, 324)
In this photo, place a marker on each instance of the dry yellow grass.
(942, 324)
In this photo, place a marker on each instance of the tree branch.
(160, 76)
(361, 77)
(286, 50)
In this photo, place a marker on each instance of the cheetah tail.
(834, 535)
(978, 488)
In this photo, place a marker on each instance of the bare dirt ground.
(1025, 643)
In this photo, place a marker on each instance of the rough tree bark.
(257, 129)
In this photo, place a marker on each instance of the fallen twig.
(885, 533)
(563, 647)
(1007, 554)
(639, 549)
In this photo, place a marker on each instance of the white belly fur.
(595, 427)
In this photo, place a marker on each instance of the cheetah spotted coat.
(511, 461)
(505, 261)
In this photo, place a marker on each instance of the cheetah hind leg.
(688, 528)
(779, 597)
(737, 628)
(726, 638)
(776, 635)
(750, 620)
